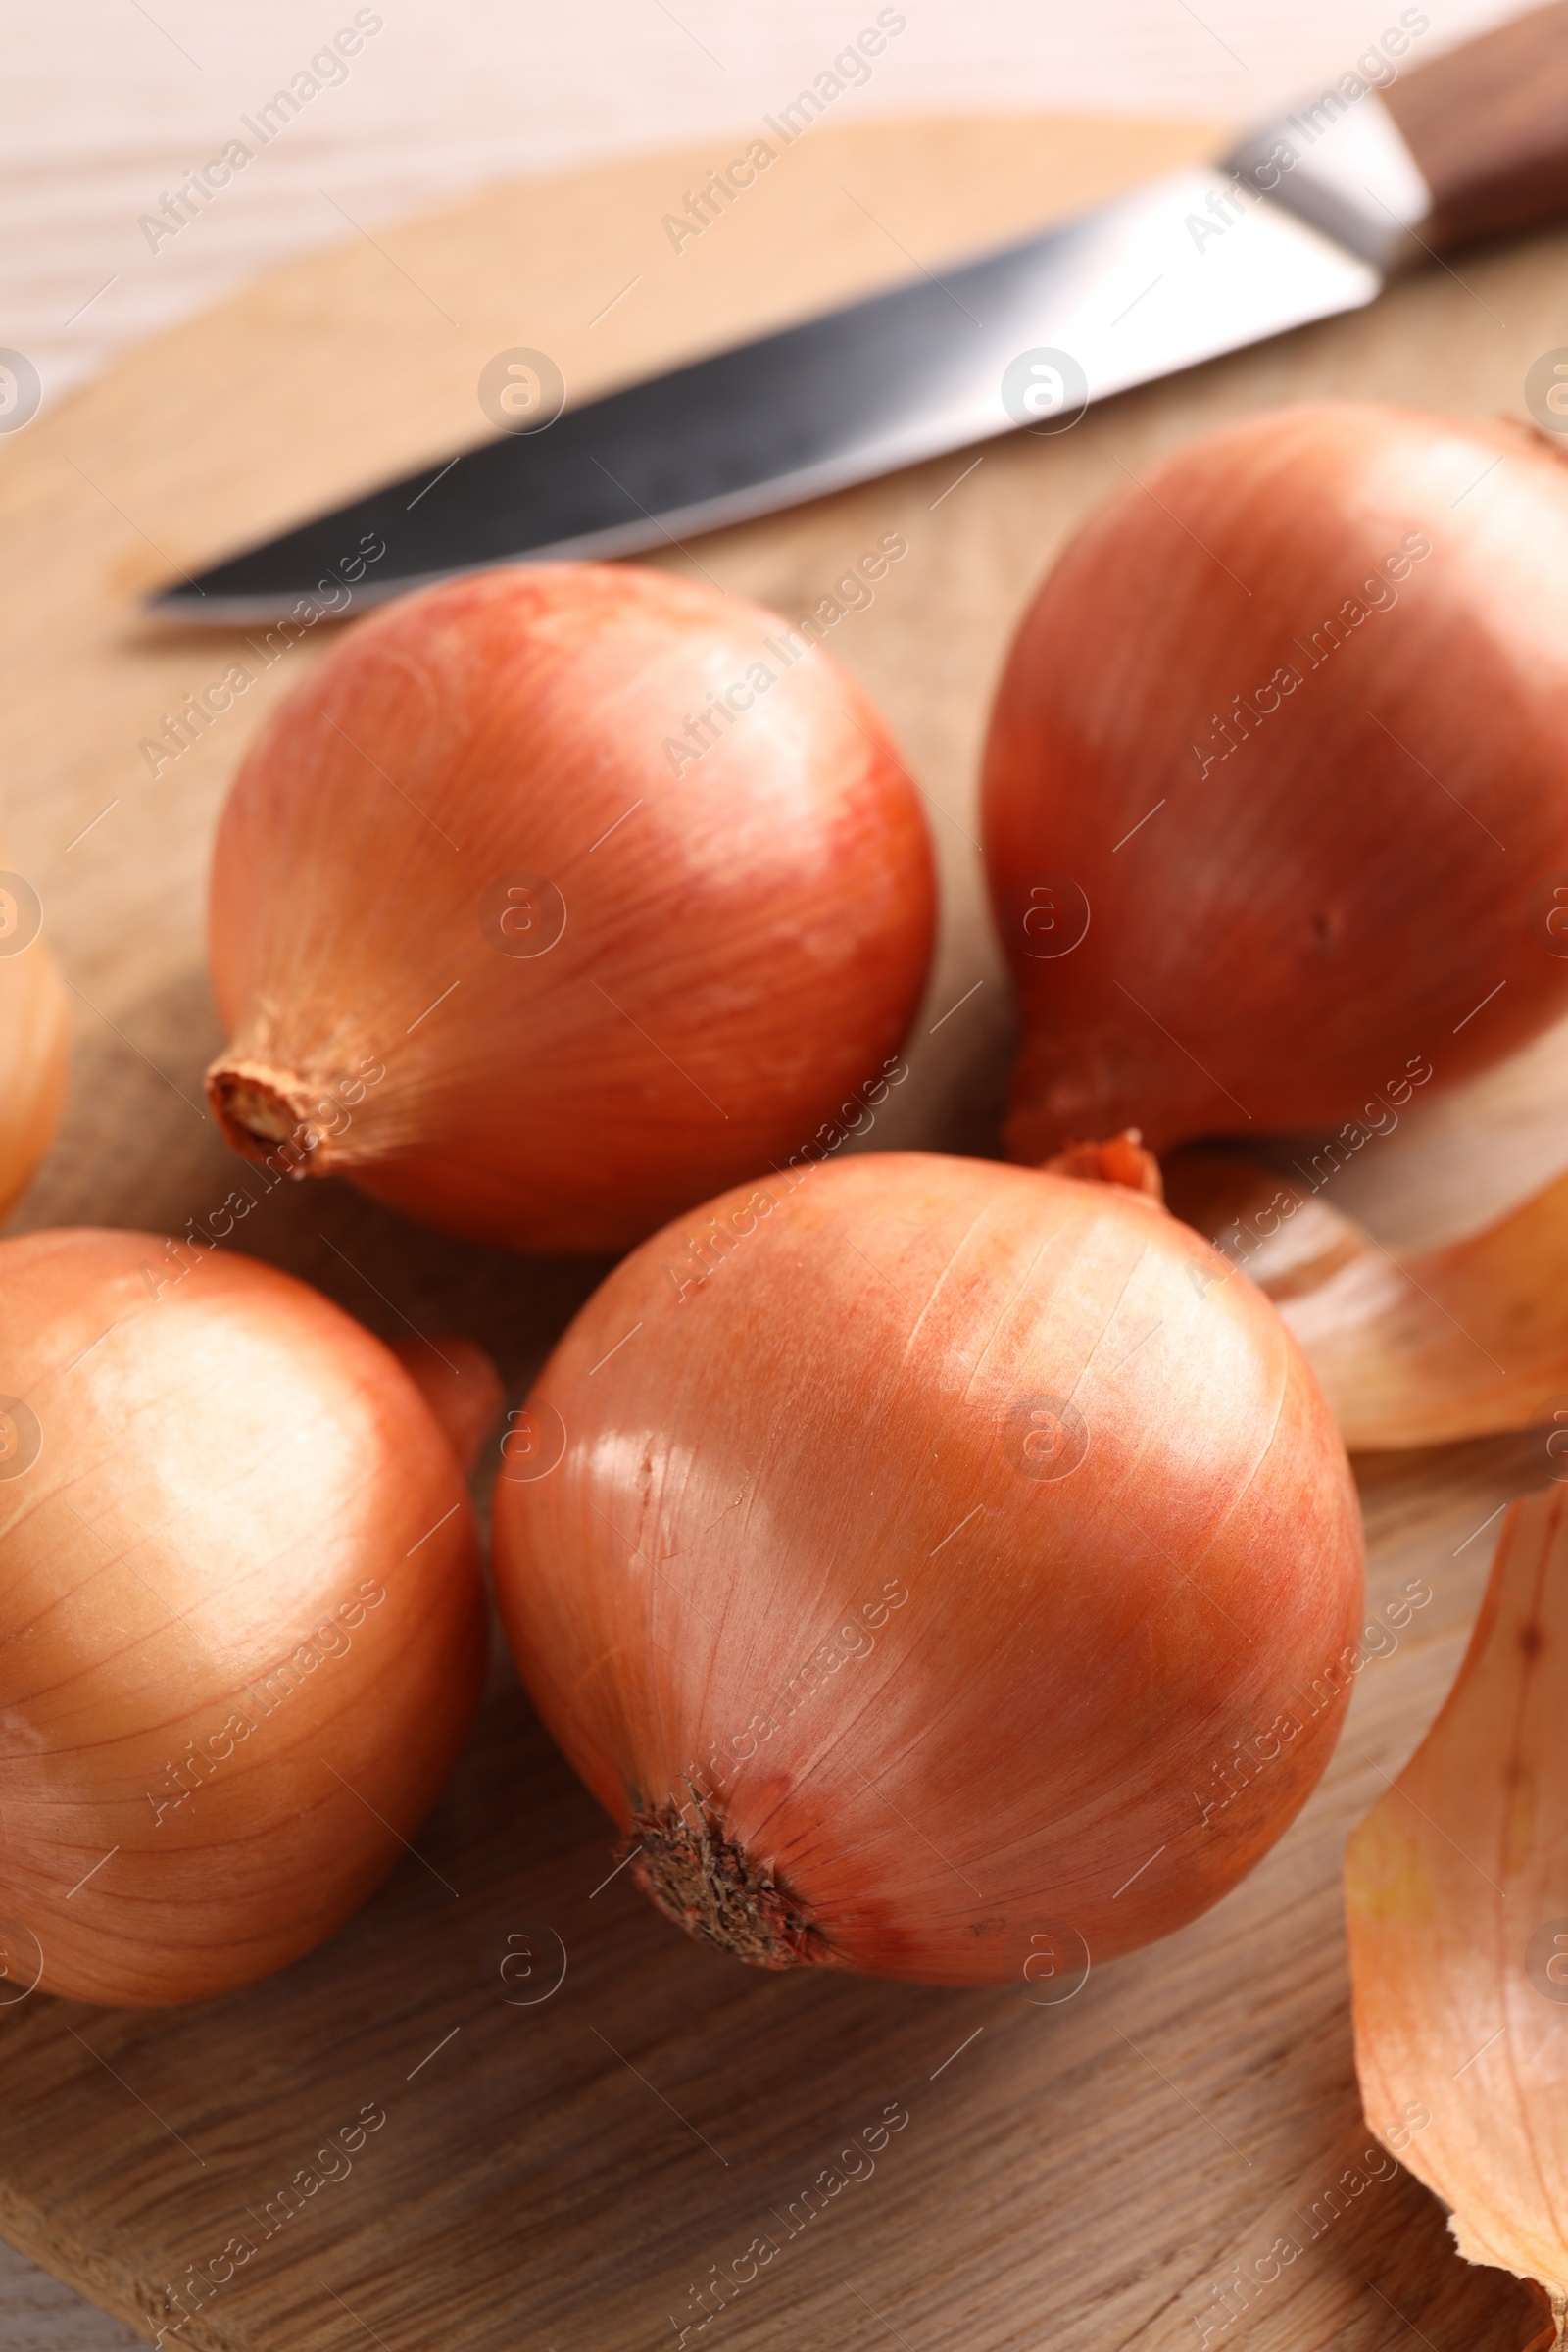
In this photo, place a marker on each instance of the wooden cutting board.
(564, 2159)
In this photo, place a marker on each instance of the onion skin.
(1325, 907)
(229, 1474)
(832, 1413)
(745, 941)
(1458, 2028)
(1408, 1351)
(34, 1051)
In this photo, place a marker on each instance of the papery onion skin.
(1353, 890)
(732, 939)
(1454, 1915)
(216, 1480)
(34, 1050)
(1407, 1350)
(1037, 1737)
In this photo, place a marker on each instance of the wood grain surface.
(567, 2167)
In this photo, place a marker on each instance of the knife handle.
(1487, 124)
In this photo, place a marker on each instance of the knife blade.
(1303, 220)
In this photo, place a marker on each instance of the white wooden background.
(107, 104)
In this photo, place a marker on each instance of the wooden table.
(109, 103)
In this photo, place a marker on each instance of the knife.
(1391, 164)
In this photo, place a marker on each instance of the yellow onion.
(558, 898)
(937, 1569)
(1276, 789)
(243, 1628)
(35, 1038)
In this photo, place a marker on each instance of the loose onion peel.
(1460, 1342)
(1456, 1897)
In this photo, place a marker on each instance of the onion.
(919, 1557)
(34, 1039)
(243, 1625)
(558, 898)
(1276, 791)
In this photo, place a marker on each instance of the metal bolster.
(1341, 164)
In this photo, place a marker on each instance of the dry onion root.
(1276, 792)
(936, 1568)
(243, 1629)
(34, 1039)
(1456, 1896)
(556, 898)
(1454, 1343)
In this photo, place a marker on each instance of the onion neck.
(1119, 1159)
(266, 1113)
(708, 1884)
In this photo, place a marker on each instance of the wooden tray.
(566, 2172)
